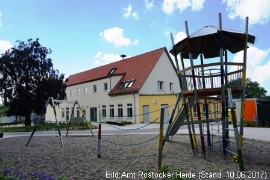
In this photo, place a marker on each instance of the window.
(126, 84)
(120, 110)
(95, 88)
(129, 110)
(160, 85)
(78, 112)
(111, 110)
(67, 114)
(202, 110)
(63, 112)
(103, 111)
(195, 111)
(171, 86)
(71, 92)
(83, 112)
(85, 90)
(105, 86)
(111, 71)
(78, 91)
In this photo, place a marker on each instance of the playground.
(78, 159)
(208, 152)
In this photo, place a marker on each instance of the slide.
(179, 120)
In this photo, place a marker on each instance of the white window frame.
(202, 108)
(120, 110)
(129, 110)
(85, 90)
(63, 113)
(71, 93)
(105, 85)
(111, 110)
(195, 111)
(103, 110)
(67, 113)
(171, 86)
(160, 85)
(78, 91)
(78, 112)
(94, 88)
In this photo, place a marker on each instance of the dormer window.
(126, 84)
(111, 71)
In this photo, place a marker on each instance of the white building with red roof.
(133, 89)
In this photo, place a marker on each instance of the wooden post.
(243, 85)
(99, 135)
(197, 103)
(236, 133)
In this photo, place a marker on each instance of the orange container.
(250, 109)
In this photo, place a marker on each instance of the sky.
(84, 34)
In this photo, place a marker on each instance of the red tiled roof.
(137, 68)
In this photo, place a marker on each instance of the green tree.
(27, 79)
(252, 89)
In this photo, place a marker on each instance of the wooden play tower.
(217, 80)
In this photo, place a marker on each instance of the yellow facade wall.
(154, 103)
(214, 108)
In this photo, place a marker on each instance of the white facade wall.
(93, 101)
(50, 117)
(164, 72)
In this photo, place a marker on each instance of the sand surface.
(78, 158)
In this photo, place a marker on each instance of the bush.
(249, 124)
(127, 122)
(49, 127)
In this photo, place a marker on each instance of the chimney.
(123, 56)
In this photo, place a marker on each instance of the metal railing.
(208, 76)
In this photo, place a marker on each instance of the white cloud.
(115, 35)
(197, 4)
(179, 36)
(169, 6)
(4, 45)
(128, 12)
(148, 4)
(256, 69)
(258, 11)
(102, 59)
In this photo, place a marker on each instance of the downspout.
(110, 83)
(134, 106)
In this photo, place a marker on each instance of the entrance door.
(166, 112)
(93, 114)
(146, 114)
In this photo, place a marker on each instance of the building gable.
(163, 78)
